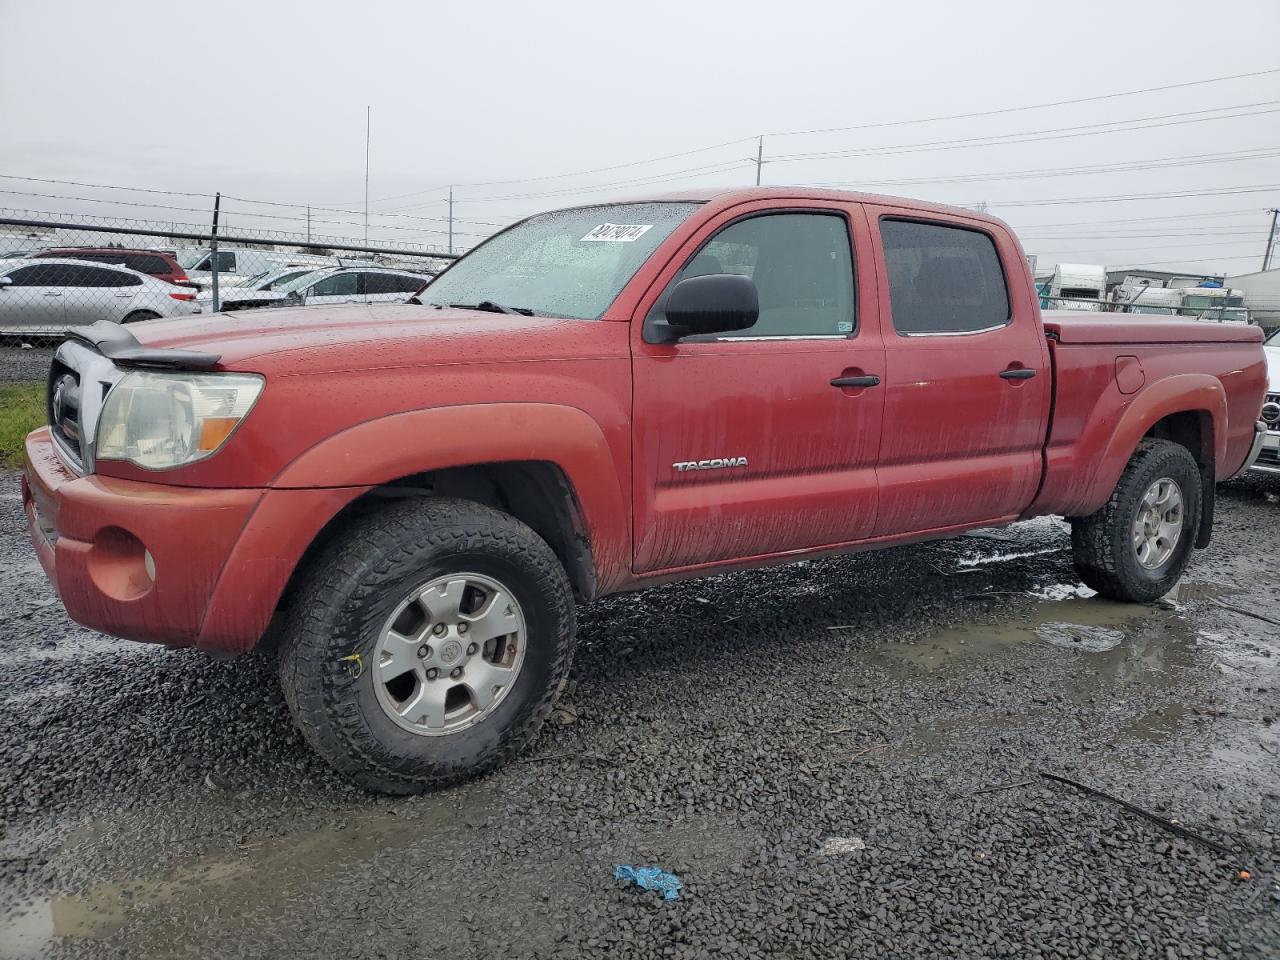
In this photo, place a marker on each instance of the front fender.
(389, 448)
(1114, 440)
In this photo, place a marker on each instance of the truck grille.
(63, 406)
(1271, 411)
(79, 380)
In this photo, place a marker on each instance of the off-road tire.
(139, 315)
(1102, 543)
(346, 595)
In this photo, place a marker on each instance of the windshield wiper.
(490, 307)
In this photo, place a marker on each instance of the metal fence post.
(213, 251)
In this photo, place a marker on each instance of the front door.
(33, 298)
(335, 288)
(743, 445)
(967, 374)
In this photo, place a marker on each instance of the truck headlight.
(159, 420)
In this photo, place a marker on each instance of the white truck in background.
(1077, 286)
(1147, 299)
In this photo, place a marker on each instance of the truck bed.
(1069, 326)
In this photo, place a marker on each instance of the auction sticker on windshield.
(618, 232)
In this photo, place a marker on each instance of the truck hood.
(291, 340)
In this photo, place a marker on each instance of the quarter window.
(802, 268)
(376, 283)
(943, 279)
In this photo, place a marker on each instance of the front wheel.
(1136, 547)
(426, 644)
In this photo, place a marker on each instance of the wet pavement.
(838, 758)
(19, 364)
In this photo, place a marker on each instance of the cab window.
(802, 267)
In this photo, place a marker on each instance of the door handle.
(867, 381)
(55, 294)
(1019, 373)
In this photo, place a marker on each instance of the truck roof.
(728, 196)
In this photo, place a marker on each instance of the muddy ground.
(158, 803)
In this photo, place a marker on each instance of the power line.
(1163, 195)
(1122, 167)
(1168, 246)
(1175, 216)
(866, 126)
(1033, 136)
(963, 143)
(1034, 106)
(576, 173)
(639, 181)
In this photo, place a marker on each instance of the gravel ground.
(18, 364)
(158, 803)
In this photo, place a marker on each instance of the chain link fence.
(64, 271)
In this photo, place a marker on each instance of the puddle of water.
(232, 882)
(1062, 591)
(1077, 617)
(1081, 637)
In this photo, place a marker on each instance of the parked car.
(267, 280)
(1269, 458)
(327, 286)
(156, 263)
(596, 399)
(236, 265)
(50, 295)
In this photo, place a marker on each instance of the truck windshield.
(568, 263)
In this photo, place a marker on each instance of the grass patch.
(21, 411)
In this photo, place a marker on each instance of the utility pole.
(368, 121)
(1271, 239)
(759, 157)
(451, 218)
(308, 223)
(213, 251)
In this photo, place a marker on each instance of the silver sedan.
(48, 295)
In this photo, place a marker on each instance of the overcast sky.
(266, 101)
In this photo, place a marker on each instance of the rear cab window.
(943, 279)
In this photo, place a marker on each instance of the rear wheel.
(139, 315)
(426, 645)
(1136, 547)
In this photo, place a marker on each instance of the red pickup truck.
(414, 497)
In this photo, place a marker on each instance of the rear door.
(967, 373)
(388, 287)
(743, 446)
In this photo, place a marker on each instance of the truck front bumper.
(181, 566)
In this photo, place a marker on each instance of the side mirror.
(715, 303)
(6, 281)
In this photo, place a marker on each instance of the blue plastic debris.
(650, 878)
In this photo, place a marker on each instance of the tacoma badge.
(719, 463)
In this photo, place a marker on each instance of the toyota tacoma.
(409, 501)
